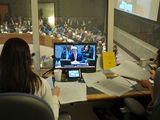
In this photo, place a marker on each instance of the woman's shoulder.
(43, 81)
(43, 88)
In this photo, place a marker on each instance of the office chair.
(156, 113)
(136, 111)
(133, 109)
(22, 106)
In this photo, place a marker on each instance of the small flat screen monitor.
(75, 56)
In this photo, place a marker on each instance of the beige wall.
(47, 8)
(78, 8)
(17, 7)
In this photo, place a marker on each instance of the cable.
(47, 72)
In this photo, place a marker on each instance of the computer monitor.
(75, 56)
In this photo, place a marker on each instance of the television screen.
(75, 56)
(144, 8)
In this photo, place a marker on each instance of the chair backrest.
(21, 106)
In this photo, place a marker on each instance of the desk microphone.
(33, 54)
(151, 59)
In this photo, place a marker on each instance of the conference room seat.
(135, 110)
(22, 106)
(156, 113)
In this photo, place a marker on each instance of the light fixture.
(51, 20)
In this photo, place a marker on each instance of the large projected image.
(143, 8)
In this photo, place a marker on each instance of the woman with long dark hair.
(87, 52)
(16, 74)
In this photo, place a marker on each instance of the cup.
(57, 74)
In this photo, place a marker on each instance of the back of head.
(15, 67)
(16, 51)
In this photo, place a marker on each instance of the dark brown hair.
(16, 74)
(157, 60)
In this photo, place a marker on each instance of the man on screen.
(66, 52)
(75, 56)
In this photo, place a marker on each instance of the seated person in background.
(99, 47)
(115, 50)
(6, 29)
(75, 56)
(17, 76)
(66, 52)
(77, 38)
(69, 34)
(87, 52)
(1, 29)
(155, 91)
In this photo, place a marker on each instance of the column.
(111, 4)
(35, 26)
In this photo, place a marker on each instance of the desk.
(105, 96)
(101, 96)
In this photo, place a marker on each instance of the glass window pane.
(15, 16)
(72, 21)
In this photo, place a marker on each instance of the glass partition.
(15, 16)
(59, 21)
(75, 21)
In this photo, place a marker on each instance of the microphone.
(33, 54)
(52, 56)
(151, 59)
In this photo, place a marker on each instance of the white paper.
(116, 86)
(50, 82)
(91, 78)
(131, 69)
(72, 92)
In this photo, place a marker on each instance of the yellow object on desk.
(108, 60)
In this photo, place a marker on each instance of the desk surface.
(105, 96)
(97, 95)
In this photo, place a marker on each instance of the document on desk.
(50, 82)
(116, 86)
(130, 69)
(91, 78)
(72, 92)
